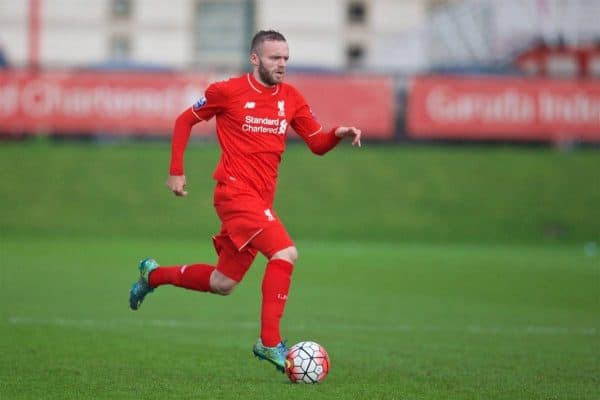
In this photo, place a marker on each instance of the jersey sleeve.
(211, 104)
(310, 130)
(181, 135)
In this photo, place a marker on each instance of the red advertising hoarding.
(86, 102)
(504, 108)
(367, 102)
(148, 103)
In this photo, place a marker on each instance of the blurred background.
(422, 69)
(455, 255)
(484, 90)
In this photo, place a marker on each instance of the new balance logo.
(250, 105)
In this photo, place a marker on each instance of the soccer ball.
(307, 362)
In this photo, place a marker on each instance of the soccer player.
(253, 113)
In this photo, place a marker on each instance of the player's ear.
(254, 59)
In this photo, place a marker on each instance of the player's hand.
(349, 131)
(176, 183)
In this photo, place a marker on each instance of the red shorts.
(248, 226)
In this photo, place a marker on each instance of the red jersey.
(252, 123)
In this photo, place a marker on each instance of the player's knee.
(223, 290)
(289, 254)
(220, 284)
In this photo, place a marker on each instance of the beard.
(267, 76)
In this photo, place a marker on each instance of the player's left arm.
(318, 141)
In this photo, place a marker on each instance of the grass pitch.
(427, 273)
(399, 321)
(392, 194)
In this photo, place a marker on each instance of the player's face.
(271, 61)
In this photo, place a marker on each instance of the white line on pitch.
(367, 327)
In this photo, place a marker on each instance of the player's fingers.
(357, 136)
(177, 190)
(180, 191)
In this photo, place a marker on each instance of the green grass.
(399, 321)
(426, 272)
(460, 194)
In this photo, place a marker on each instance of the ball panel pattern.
(308, 362)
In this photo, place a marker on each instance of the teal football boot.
(141, 288)
(275, 355)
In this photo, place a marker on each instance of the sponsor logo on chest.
(265, 123)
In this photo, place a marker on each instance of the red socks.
(193, 277)
(275, 287)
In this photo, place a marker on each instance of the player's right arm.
(181, 136)
(203, 110)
